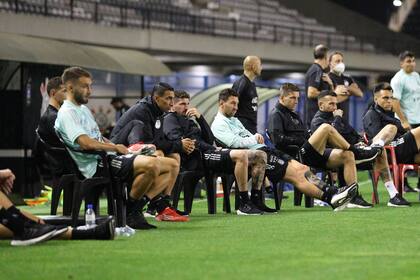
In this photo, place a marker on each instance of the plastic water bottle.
(90, 217)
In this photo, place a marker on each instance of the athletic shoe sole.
(165, 218)
(39, 239)
(397, 206)
(344, 198)
(358, 161)
(240, 213)
(352, 205)
(148, 215)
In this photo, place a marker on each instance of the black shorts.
(405, 148)
(219, 161)
(277, 163)
(312, 158)
(121, 166)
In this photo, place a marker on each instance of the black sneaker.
(248, 209)
(365, 153)
(261, 205)
(105, 230)
(33, 233)
(359, 202)
(398, 201)
(136, 220)
(343, 196)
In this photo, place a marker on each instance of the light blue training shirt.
(73, 121)
(407, 90)
(232, 133)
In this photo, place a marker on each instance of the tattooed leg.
(258, 161)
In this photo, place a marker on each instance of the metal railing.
(147, 16)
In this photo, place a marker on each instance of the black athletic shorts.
(405, 148)
(312, 158)
(219, 161)
(277, 163)
(121, 166)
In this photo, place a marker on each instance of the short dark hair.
(226, 93)
(382, 86)
(406, 54)
(54, 83)
(320, 52)
(288, 88)
(72, 74)
(326, 93)
(334, 53)
(181, 94)
(160, 88)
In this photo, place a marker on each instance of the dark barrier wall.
(19, 117)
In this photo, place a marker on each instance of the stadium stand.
(248, 19)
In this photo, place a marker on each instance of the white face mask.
(339, 68)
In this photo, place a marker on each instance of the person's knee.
(416, 132)
(390, 128)
(175, 156)
(151, 167)
(261, 156)
(348, 156)
(159, 153)
(174, 164)
(240, 157)
(326, 128)
(298, 168)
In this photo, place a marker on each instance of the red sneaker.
(170, 215)
(142, 149)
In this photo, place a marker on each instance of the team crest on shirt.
(157, 124)
(346, 83)
(254, 102)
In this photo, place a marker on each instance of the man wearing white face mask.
(344, 86)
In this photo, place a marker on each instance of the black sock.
(244, 196)
(12, 219)
(168, 199)
(328, 193)
(143, 201)
(159, 203)
(82, 234)
(133, 205)
(255, 196)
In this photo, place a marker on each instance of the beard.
(79, 98)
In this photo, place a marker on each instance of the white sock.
(379, 142)
(391, 188)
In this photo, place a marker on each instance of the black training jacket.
(286, 128)
(341, 125)
(377, 118)
(147, 111)
(177, 127)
